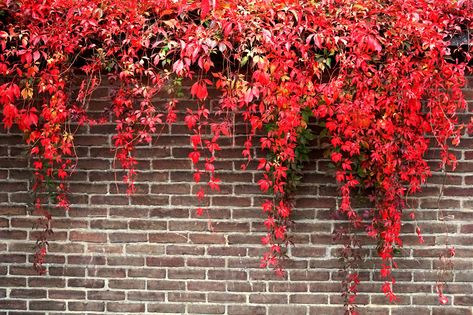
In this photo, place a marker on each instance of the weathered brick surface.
(150, 253)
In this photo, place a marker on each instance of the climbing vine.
(377, 77)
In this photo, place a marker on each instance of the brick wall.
(151, 254)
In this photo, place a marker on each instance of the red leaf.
(197, 176)
(204, 9)
(200, 194)
(178, 67)
(62, 174)
(264, 184)
(194, 156)
(35, 150)
(280, 232)
(267, 206)
(283, 209)
(199, 212)
(443, 299)
(10, 113)
(196, 140)
(262, 164)
(190, 120)
(214, 184)
(209, 167)
(266, 239)
(269, 223)
(373, 44)
(199, 90)
(336, 157)
(38, 165)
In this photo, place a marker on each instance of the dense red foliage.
(378, 76)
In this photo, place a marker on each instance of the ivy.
(378, 77)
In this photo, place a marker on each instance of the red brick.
(125, 307)
(308, 252)
(227, 251)
(91, 140)
(186, 274)
(86, 283)
(231, 202)
(11, 211)
(108, 224)
(128, 237)
(230, 227)
(145, 296)
(86, 306)
(237, 286)
(28, 293)
(86, 260)
(162, 308)
(13, 235)
(87, 213)
(56, 236)
(244, 239)
(147, 273)
(5, 223)
(147, 225)
(165, 261)
(169, 213)
(170, 237)
(86, 188)
(67, 271)
(126, 261)
(66, 295)
(188, 201)
(451, 311)
(165, 285)
(106, 295)
(102, 272)
(244, 310)
(212, 238)
(23, 270)
(227, 275)
(186, 297)
(288, 287)
(410, 310)
(48, 305)
(315, 202)
(109, 200)
(171, 189)
(150, 249)
(464, 300)
(244, 262)
(173, 164)
(184, 250)
(126, 284)
(69, 248)
(261, 298)
(12, 304)
(284, 310)
(46, 282)
(206, 286)
(206, 309)
(88, 237)
(193, 225)
(147, 200)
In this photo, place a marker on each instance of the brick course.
(150, 253)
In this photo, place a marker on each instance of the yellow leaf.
(27, 93)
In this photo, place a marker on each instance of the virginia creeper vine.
(378, 76)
